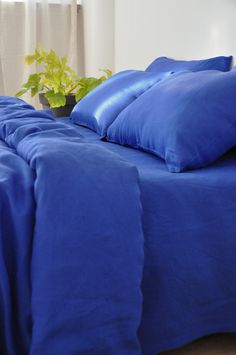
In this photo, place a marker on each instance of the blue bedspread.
(71, 242)
(189, 223)
(102, 250)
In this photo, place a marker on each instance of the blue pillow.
(100, 107)
(189, 120)
(163, 64)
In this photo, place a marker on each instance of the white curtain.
(55, 24)
(99, 35)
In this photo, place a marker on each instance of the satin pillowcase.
(188, 120)
(100, 107)
(163, 64)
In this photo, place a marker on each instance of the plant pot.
(63, 111)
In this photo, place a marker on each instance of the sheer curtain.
(24, 24)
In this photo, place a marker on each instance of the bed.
(102, 249)
(189, 229)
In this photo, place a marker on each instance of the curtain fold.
(99, 41)
(24, 25)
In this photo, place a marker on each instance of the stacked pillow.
(101, 106)
(189, 120)
(162, 64)
(186, 118)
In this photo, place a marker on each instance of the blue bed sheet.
(189, 222)
(102, 250)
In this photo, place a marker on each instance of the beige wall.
(191, 29)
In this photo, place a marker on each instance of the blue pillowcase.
(163, 64)
(100, 107)
(189, 120)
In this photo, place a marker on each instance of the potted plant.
(58, 86)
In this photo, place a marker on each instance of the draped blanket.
(102, 250)
(71, 240)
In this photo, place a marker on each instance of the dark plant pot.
(63, 111)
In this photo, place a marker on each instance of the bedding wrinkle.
(16, 221)
(86, 259)
(189, 266)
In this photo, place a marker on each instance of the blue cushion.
(101, 106)
(163, 64)
(189, 120)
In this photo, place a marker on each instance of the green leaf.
(64, 62)
(85, 85)
(80, 94)
(35, 90)
(108, 72)
(33, 80)
(40, 51)
(21, 92)
(55, 99)
(29, 59)
(33, 85)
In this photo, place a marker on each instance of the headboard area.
(181, 29)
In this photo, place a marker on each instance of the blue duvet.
(102, 250)
(71, 242)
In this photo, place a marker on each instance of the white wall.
(182, 29)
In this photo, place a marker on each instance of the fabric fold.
(87, 257)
